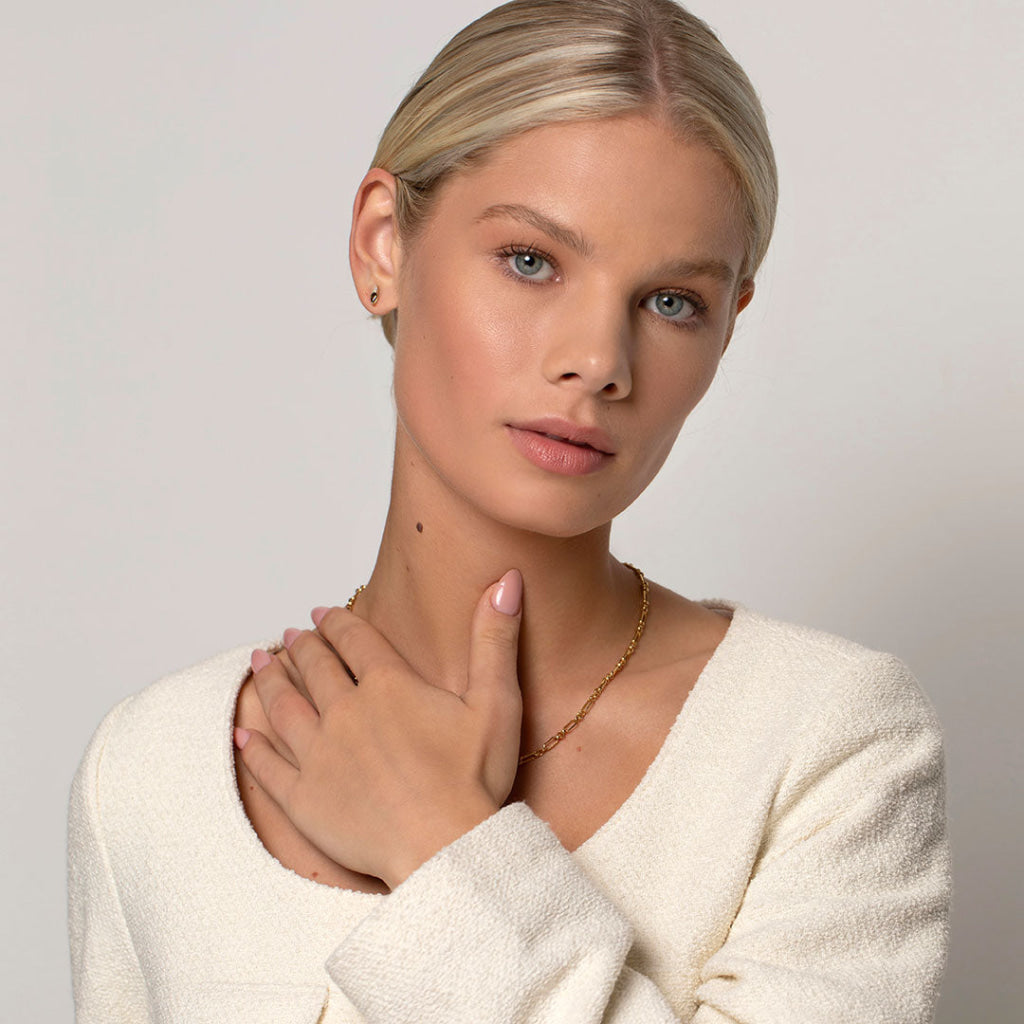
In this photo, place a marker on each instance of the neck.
(438, 554)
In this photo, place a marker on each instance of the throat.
(430, 575)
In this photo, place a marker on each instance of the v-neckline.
(628, 810)
(631, 807)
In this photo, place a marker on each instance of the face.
(560, 314)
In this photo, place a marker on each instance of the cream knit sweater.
(783, 861)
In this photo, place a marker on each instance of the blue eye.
(530, 264)
(672, 306)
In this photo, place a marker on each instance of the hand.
(383, 774)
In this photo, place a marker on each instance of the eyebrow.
(717, 269)
(559, 232)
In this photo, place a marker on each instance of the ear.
(744, 293)
(373, 247)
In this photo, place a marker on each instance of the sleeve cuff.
(493, 919)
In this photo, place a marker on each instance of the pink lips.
(561, 446)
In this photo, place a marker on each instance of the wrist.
(441, 831)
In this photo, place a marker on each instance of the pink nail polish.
(290, 636)
(241, 737)
(317, 614)
(259, 659)
(509, 594)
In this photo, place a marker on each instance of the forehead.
(623, 184)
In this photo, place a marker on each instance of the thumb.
(494, 643)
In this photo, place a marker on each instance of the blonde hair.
(530, 63)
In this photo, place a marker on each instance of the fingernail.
(260, 659)
(290, 636)
(508, 595)
(241, 737)
(317, 614)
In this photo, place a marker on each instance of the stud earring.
(374, 296)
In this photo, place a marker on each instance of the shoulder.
(822, 674)
(806, 701)
(163, 732)
(828, 708)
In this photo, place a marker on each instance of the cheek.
(458, 327)
(454, 358)
(677, 385)
(673, 392)
(703, 375)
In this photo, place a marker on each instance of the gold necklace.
(573, 722)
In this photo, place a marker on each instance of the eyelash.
(700, 307)
(514, 249)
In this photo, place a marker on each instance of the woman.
(738, 820)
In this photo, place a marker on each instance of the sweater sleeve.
(843, 920)
(500, 926)
(845, 915)
(108, 983)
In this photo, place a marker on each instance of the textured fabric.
(784, 859)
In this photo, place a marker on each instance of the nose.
(593, 353)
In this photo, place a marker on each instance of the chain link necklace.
(573, 722)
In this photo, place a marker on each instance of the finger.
(294, 675)
(366, 652)
(494, 647)
(273, 773)
(317, 615)
(290, 714)
(327, 678)
(250, 710)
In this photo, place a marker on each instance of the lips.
(562, 447)
(557, 429)
(569, 440)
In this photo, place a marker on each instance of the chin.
(563, 520)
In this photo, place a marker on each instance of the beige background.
(197, 419)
